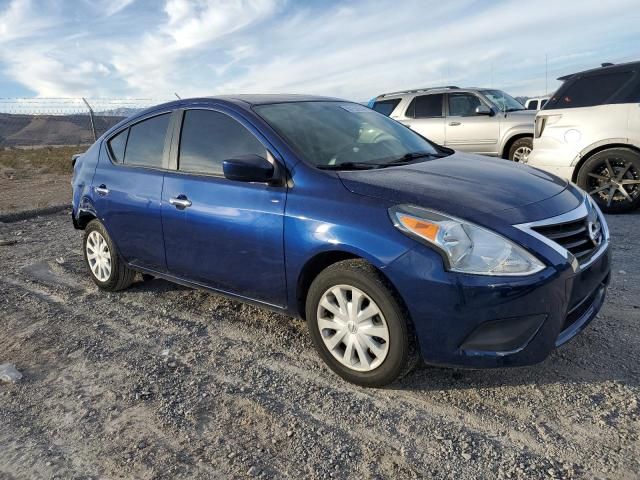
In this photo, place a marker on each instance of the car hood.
(469, 186)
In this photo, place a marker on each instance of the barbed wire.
(63, 121)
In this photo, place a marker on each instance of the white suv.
(589, 132)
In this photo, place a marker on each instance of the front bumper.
(483, 321)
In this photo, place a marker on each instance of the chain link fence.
(37, 122)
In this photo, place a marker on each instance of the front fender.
(523, 129)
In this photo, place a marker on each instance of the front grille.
(581, 237)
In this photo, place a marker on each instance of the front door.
(221, 233)
(468, 131)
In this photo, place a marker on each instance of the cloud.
(354, 50)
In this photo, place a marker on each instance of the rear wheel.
(358, 324)
(105, 266)
(612, 178)
(520, 150)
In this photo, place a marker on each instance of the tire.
(394, 357)
(520, 149)
(623, 164)
(115, 274)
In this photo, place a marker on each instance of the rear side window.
(589, 91)
(386, 107)
(463, 104)
(532, 105)
(208, 138)
(117, 145)
(426, 106)
(146, 142)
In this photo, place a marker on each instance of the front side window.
(589, 91)
(327, 134)
(209, 138)
(426, 106)
(146, 142)
(117, 145)
(463, 104)
(532, 105)
(386, 107)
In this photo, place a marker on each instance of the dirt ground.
(33, 178)
(160, 381)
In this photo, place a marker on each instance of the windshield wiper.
(404, 160)
(351, 166)
(408, 157)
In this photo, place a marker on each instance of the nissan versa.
(391, 247)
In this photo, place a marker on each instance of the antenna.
(546, 74)
(177, 96)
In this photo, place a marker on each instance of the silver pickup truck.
(477, 120)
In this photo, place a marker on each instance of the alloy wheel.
(353, 328)
(614, 181)
(98, 256)
(521, 154)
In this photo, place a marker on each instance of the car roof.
(606, 68)
(430, 90)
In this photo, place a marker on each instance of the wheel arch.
(591, 151)
(316, 264)
(511, 140)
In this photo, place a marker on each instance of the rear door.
(230, 236)
(466, 130)
(128, 186)
(425, 115)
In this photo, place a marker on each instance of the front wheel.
(612, 178)
(520, 150)
(359, 326)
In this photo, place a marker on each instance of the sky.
(349, 49)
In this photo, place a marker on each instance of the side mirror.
(483, 110)
(249, 168)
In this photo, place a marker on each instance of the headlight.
(465, 247)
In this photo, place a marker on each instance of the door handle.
(102, 190)
(180, 202)
(454, 124)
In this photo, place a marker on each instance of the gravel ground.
(161, 381)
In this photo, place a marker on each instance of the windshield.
(503, 101)
(329, 134)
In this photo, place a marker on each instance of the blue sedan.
(391, 247)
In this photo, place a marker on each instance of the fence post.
(93, 125)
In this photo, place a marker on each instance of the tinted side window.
(463, 104)
(589, 91)
(208, 138)
(426, 106)
(117, 145)
(146, 142)
(543, 103)
(385, 107)
(533, 105)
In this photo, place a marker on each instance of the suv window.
(463, 104)
(386, 107)
(589, 91)
(532, 105)
(208, 138)
(146, 142)
(426, 106)
(117, 145)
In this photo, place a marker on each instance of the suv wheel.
(612, 178)
(520, 150)
(358, 325)
(105, 266)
